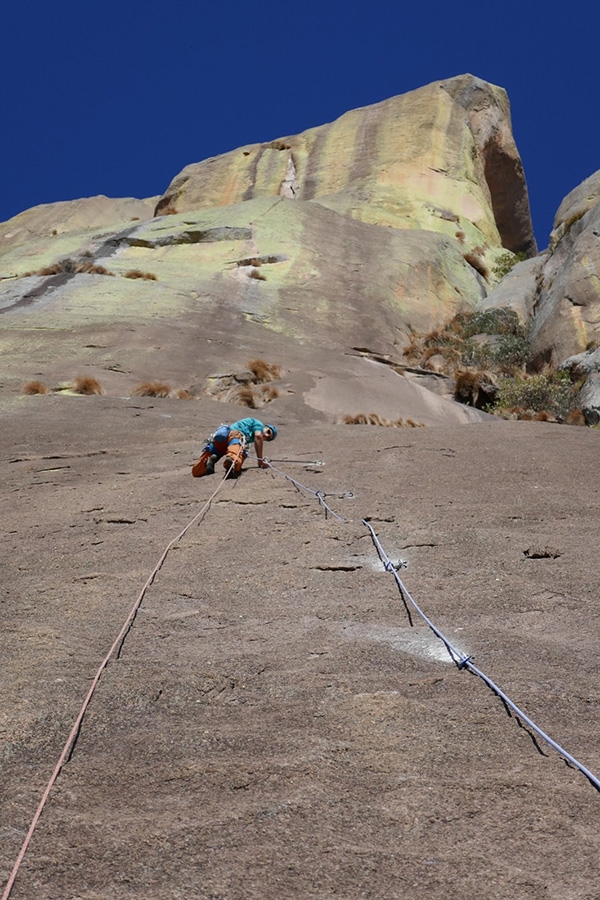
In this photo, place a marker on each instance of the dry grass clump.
(137, 273)
(258, 276)
(249, 261)
(253, 397)
(475, 259)
(85, 384)
(71, 267)
(244, 396)
(250, 387)
(151, 389)
(48, 270)
(264, 371)
(438, 341)
(450, 354)
(35, 387)
(374, 419)
(521, 414)
(475, 388)
(268, 393)
(91, 269)
(575, 417)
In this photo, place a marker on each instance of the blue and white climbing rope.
(461, 660)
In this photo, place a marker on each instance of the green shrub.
(505, 263)
(501, 320)
(455, 342)
(479, 356)
(512, 352)
(553, 393)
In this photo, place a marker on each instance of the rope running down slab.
(461, 660)
(115, 649)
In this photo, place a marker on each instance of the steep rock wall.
(558, 293)
(340, 241)
(440, 158)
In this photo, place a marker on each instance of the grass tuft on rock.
(264, 371)
(152, 389)
(375, 419)
(137, 273)
(71, 267)
(87, 385)
(35, 387)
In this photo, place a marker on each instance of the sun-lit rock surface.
(558, 293)
(277, 721)
(236, 280)
(54, 220)
(344, 239)
(567, 308)
(441, 158)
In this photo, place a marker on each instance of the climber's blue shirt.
(248, 427)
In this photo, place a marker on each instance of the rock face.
(276, 722)
(440, 158)
(342, 240)
(54, 220)
(557, 294)
(518, 289)
(587, 366)
(589, 399)
(274, 727)
(567, 307)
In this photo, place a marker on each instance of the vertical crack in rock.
(508, 192)
(289, 185)
(488, 112)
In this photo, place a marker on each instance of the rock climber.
(232, 442)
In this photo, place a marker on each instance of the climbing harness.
(218, 440)
(461, 660)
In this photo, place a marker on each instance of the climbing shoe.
(210, 465)
(228, 464)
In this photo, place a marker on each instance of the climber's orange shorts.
(235, 452)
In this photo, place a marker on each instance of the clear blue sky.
(115, 98)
